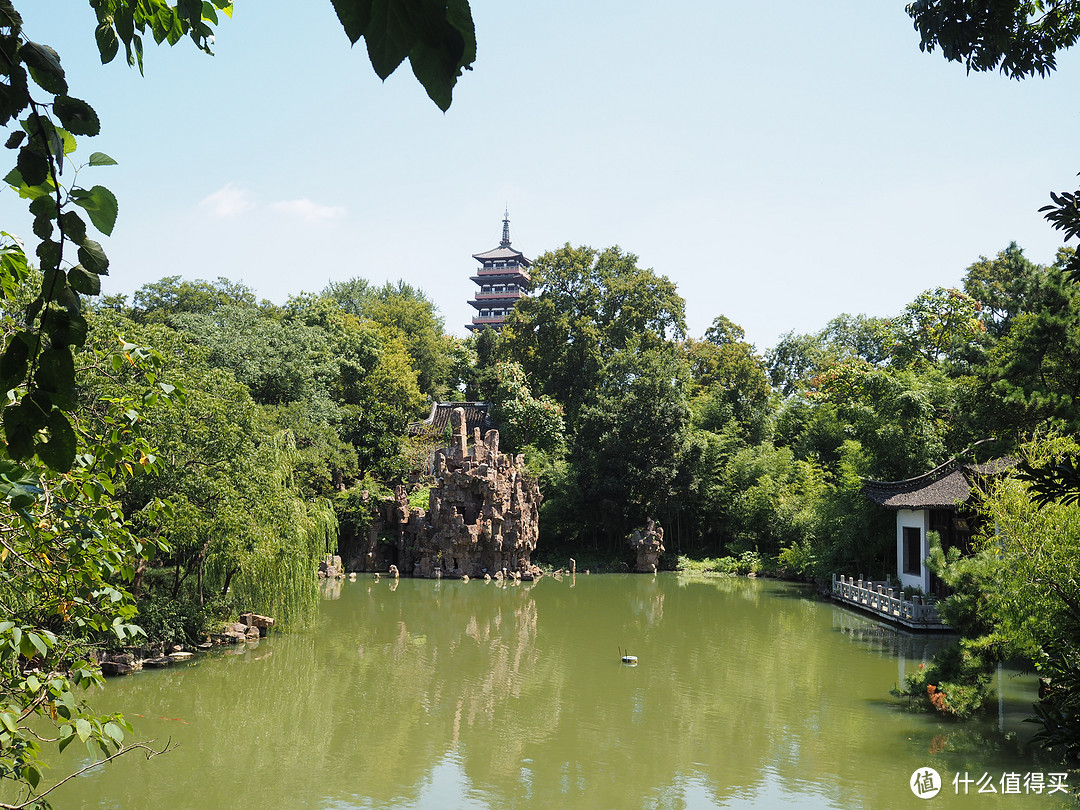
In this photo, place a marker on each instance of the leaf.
(9, 17)
(354, 16)
(44, 66)
(43, 227)
(43, 207)
(114, 732)
(437, 60)
(69, 142)
(48, 253)
(84, 282)
(83, 728)
(101, 205)
(19, 432)
(107, 42)
(58, 452)
(40, 644)
(438, 37)
(64, 326)
(27, 191)
(33, 166)
(14, 364)
(56, 375)
(390, 35)
(20, 486)
(14, 140)
(93, 257)
(101, 159)
(73, 225)
(76, 116)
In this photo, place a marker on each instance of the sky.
(781, 162)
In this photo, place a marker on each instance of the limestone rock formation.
(648, 547)
(483, 513)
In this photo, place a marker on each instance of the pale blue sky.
(781, 163)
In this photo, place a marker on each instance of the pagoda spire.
(506, 229)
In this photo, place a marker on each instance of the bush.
(179, 621)
(956, 683)
(798, 559)
(420, 498)
(749, 562)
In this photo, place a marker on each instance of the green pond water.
(426, 694)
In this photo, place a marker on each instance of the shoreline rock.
(156, 655)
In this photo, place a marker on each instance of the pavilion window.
(912, 550)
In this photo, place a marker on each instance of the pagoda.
(503, 278)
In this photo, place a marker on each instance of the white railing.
(887, 602)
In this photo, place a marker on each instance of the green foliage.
(355, 507)
(939, 324)
(748, 562)
(798, 559)
(729, 380)
(587, 306)
(956, 683)
(796, 359)
(68, 560)
(438, 38)
(177, 621)
(483, 380)
(525, 420)
(402, 313)
(1020, 38)
(629, 443)
(420, 498)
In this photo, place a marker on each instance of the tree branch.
(124, 749)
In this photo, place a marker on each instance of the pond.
(427, 694)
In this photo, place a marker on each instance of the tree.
(1021, 38)
(729, 380)
(172, 295)
(404, 311)
(1034, 369)
(999, 285)
(939, 324)
(628, 448)
(523, 419)
(797, 358)
(588, 305)
(484, 379)
(68, 558)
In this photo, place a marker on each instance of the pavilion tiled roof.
(944, 487)
(477, 415)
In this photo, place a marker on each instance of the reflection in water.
(416, 693)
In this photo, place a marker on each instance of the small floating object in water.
(627, 658)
